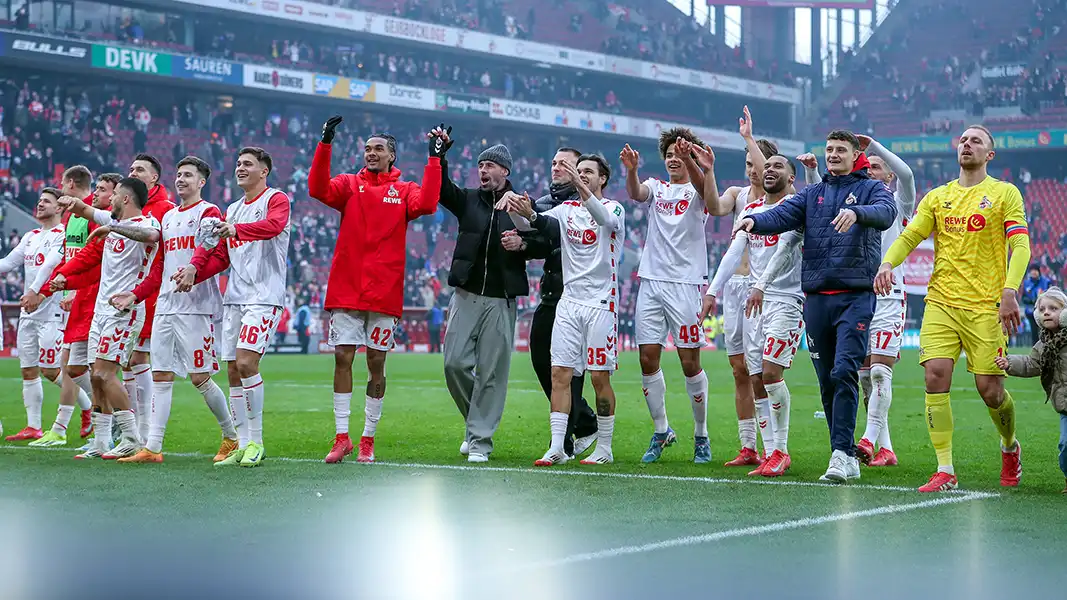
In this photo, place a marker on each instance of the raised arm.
(271, 226)
(423, 200)
(905, 178)
(634, 188)
(332, 192)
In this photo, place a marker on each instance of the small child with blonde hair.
(1048, 359)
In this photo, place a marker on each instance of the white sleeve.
(101, 217)
(784, 257)
(729, 263)
(53, 256)
(811, 175)
(16, 257)
(905, 178)
(609, 215)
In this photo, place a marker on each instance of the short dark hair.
(601, 164)
(767, 147)
(112, 178)
(139, 189)
(150, 159)
(983, 128)
(576, 152)
(844, 135)
(263, 156)
(80, 175)
(51, 190)
(1034, 267)
(200, 166)
(789, 162)
(672, 135)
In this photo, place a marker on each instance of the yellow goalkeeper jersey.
(971, 227)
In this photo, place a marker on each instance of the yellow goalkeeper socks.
(939, 422)
(1004, 419)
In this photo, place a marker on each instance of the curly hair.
(672, 135)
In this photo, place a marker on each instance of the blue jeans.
(1063, 444)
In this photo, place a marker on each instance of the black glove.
(438, 147)
(329, 127)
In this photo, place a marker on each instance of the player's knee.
(76, 371)
(342, 359)
(247, 367)
(98, 379)
(649, 359)
(771, 374)
(50, 374)
(197, 379)
(740, 372)
(375, 363)
(690, 363)
(991, 389)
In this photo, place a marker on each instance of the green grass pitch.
(424, 524)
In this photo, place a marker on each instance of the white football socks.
(216, 402)
(766, 430)
(372, 412)
(655, 389)
(62, 420)
(253, 387)
(239, 412)
(746, 431)
(605, 431)
(129, 383)
(557, 423)
(778, 394)
(85, 395)
(162, 396)
(33, 400)
(142, 379)
(127, 424)
(342, 408)
(697, 388)
(102, 426)
(877, 431)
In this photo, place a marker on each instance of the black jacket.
(539, 246)
(480, 264)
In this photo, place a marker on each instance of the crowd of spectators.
(948, 76)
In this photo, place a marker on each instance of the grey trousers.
(478, 345)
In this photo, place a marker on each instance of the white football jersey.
(761, 249)
(39, 252)
(675, 249)
(888, 237)
(257, 267)
(125, 263)
(179, 242)
(590, 253)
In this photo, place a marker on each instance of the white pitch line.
(972, 495)
(755, 530)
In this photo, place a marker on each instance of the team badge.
(851, 199)
(985, 203)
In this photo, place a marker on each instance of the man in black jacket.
(532, 245)
(480, 332)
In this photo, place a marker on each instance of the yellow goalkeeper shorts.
(946, 330)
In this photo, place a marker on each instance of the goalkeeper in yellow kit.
(971, 303)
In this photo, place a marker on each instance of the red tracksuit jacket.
(367, 273)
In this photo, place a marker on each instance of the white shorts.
(776, 335)
(78, 354)
(144, 344)
(248, 327)
(40, 343)
(667, 307)
(887, 327)
(735, 323)
(114, 337)
(184, 344)
(584, 338)
(362, 328)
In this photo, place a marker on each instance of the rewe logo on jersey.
(585, 237)
(39, 259)
(975, 222)
(392, 197)
(117, 244)
(666, 207)
(184, 242)
(681, 207)
(768, 241)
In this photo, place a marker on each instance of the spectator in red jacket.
(366, 285)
